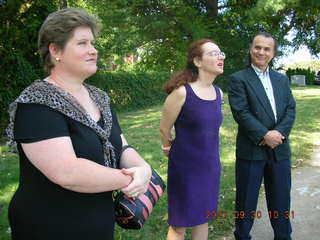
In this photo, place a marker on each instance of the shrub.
(129, 90)
(17, 75)
(310, 75)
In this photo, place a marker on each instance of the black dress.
(43, 210)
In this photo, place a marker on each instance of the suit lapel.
(258, 88)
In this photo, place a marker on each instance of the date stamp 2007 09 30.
(252, 214)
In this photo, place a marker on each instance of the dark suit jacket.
(252, 111)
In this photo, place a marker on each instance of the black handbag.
(132, 213)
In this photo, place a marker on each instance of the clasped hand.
(272, 139)
(140, 180)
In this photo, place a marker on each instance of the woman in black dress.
(71, 148)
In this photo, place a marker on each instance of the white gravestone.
(299, 80)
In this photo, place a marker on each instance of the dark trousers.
(277, 181)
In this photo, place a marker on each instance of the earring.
(58, 59)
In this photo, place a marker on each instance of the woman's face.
(212, 59)
(79, 57)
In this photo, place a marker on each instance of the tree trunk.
(63, 4)
(212, 6)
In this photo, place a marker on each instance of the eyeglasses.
(216, 54)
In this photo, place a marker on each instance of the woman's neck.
(66, 82)
(205, 79)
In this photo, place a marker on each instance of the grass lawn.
(141, 130)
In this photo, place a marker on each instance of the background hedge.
(19, 74)
(310, 75)
(130, 90)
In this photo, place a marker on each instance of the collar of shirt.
(259, 72)
(266, 82)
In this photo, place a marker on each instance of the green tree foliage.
(20, 21)
(160, 30)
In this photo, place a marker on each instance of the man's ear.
(250, 49)
(197, 62)
(55, 52)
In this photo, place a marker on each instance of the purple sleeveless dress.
(194, 162)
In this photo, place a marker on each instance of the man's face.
(262, 51)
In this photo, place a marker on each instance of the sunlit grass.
(306, 131)
(141, 128)
(8, 185)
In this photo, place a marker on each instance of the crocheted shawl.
(45, 93)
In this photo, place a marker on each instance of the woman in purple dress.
(193, 107)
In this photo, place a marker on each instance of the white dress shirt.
(266, 82)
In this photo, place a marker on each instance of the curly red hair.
(190, 72)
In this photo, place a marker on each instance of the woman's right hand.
(166, 150)
(141, 177)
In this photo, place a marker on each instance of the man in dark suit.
(264, 108)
